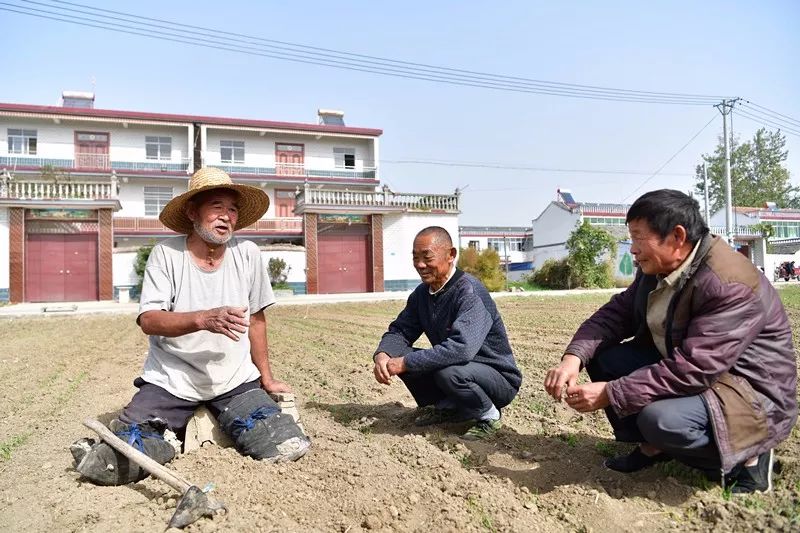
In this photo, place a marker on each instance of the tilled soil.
(370, 468)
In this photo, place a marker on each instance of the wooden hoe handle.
(164, 474)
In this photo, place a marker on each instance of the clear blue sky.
(735, 48)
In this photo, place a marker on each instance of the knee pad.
(103, 465)
(260, 430)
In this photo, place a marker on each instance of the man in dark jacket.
(708, 375)
(469, 373)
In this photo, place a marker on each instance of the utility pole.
(726, 108)
(705, 190)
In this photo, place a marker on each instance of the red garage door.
(60, 268)
(343, 256)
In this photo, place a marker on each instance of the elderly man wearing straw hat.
(202, 304)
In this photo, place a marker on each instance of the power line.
(654, 174)
(770, 112)
(347, 61)
(338, 53)
(765, 120)
(503, 166)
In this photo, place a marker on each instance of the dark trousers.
(471, 388)
(152, 401)
(678, 426)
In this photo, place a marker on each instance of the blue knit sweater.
(462, 324)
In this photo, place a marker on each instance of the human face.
(214, 216)
(432, 260)
(654, 254)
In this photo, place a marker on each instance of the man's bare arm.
(259, 352)
(228, 321)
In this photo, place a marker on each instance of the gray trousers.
(678, 426)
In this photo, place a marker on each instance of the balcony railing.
(94, 162)
(448, 203)
(151, 225)
(52, 190)
(301, 171)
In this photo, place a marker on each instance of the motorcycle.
(787, 270)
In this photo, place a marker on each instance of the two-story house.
(81, 189)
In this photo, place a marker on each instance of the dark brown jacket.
(728, 339)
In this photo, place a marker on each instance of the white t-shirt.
(202, 365)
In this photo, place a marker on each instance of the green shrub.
(278, 272)
(591, 251)
(553, 274)
(142, 255)
(485, 266)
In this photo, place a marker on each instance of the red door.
(289, 159)
(284, 203)
(343, 261)
(91, 150)
(61, 268)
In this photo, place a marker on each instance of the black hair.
(666, 208)
(440, 235)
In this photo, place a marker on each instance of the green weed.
(483, 517)
(604, 448)
(570, 438)
(6, 448)
(539, 407)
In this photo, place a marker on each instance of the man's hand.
(588, 397)
(274, 385)
(227, 321)
(564, 375)
(396, 365)
(382, 374)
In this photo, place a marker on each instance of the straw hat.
(253, 202)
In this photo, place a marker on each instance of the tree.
(278, 273)
(484, 265)
(758, 173)
(591, 252)
(139, 264)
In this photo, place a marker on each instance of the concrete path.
(112, 307)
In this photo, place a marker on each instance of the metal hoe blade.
(194, 505)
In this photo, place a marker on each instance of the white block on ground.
(203, 426)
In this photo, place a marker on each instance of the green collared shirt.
(658, 302)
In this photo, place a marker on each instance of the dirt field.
(370, 468)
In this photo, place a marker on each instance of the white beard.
(209, 236)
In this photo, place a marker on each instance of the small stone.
(529, 505)
(526, 455)
(372, 522)
(394, 511)
(651, 494)
(45, 466)
(413, 498)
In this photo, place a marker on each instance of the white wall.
(57, 141)
(553, 226)
(260, 151)
(540, 255)
(4, 248)
(398, 240)
(122, 267)
(295, 260)
(131, 194)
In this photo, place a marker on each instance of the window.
(475, 244)
(21, 141)
(231, 151)
(344, 157)
(158, 148)
(155, 198)
(606, 221)
(515, 244)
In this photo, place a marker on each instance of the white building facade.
(81, 189)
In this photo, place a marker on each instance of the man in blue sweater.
(469, 373)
